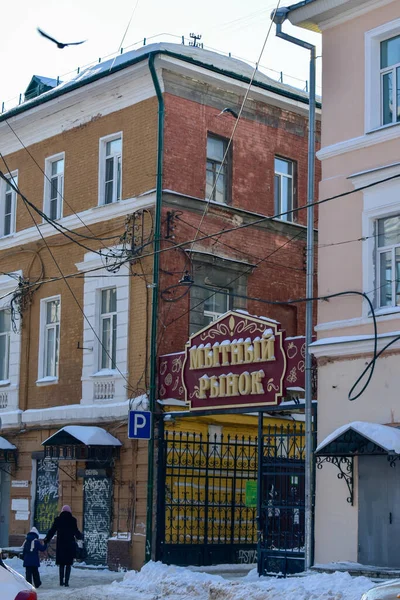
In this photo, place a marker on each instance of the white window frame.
(47, 185)
(221, 169)
(281, 175)
(43, 377)
(93, 284)
(9, 388)
(102, 168)
(7, 335)
(383, 250)
(373, 88)
(378, 202)
(13, 177)
(103, 317)
(214, 314)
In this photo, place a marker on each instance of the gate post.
(161, 478)
(260, 524)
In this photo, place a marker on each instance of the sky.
(235, 26)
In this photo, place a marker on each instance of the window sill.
(386, 311)
(4, 382)
(47, 381)
(106, 373)
(382, 128)
(103, 205)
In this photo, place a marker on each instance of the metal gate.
(205, 515)
(97, 496)
(281, 543)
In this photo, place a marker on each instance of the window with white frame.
(54, 186)
(110, 169)
(382, 76)
(8, 205)
(215, 304)
(388, 261)
(49, 350)
(284, 188)
(5, 331)
(390, 80)
(217, 170)
(105, 295)
(108, 328)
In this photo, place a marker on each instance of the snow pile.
(157, 581)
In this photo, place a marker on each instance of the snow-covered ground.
(157, 581)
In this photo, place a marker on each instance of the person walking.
(30, 556)
(66, 527)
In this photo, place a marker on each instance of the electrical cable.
(70, 289)
(62, 196)
(244, 252)
(273, 217)
(370, 367)
(205, 211)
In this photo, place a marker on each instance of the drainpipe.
(279, 17)
(154, 308)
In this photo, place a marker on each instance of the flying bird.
(59, 44)
(230, 111)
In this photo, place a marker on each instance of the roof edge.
(116, 68)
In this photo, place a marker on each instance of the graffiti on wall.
(97, 518)
(46, 497)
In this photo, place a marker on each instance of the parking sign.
(139, 427)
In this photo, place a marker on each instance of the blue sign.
(139, 426)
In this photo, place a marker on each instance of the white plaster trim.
(76, 413)
(353, 13)
(8, 284)
(379, 136)
(313, 13)
(369, 176)
(97, 214)
(352, 345)
(91, 375)
(382, 315)
(107, 95)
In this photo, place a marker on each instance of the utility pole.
(279, 18)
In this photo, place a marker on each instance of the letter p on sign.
(139, 427)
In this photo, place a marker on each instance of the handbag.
(80, 550)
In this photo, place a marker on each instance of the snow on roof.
(88, 435)
(47, 80)
(388, 438)
(5, 445)
(208, 58)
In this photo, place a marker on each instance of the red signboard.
(237, 361)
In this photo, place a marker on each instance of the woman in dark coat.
(67, 531)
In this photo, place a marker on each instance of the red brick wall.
(279, 277)
(254, 147)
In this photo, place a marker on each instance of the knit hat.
(66, 508)
(33, 530)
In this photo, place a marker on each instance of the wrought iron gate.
(204, 514)
(281, 543)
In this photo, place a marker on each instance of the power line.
(68, 285)
(205, 211)
(62, 197)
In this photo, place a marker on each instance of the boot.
(67, 575)
(62, 569)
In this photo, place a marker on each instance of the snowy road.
(158, 582)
